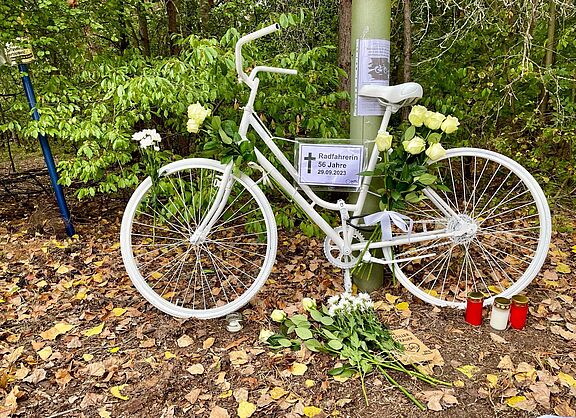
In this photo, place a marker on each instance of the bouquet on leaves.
(405, 169)
(348, 328)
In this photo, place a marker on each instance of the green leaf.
(317, 316)
(285, 342)
(326, 320)
(410, 133)
(335, 344)
(304, 333)
(426, 179)
(313, 345)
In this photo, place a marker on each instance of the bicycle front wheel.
(496, 228)
(185, 275)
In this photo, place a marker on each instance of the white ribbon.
(386, 218)
(265, 180)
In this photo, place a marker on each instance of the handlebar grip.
(247, 38)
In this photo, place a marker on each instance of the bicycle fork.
(224, 188)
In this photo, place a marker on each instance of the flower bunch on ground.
(346, 327)
(405, 169)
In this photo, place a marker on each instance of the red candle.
(518, 311)
(474, 308)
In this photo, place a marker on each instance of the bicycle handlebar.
(248, 79)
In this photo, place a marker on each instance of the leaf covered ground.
(77, 340)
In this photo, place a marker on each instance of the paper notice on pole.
(372, 67)
(330, 165)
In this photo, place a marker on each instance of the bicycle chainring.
(334, 254)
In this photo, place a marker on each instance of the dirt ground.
(77, 340)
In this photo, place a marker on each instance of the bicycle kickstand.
(347, 239)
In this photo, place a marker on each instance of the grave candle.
(518, 311)
(500, 313)
(474, 308)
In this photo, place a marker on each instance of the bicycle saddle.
(404, 94)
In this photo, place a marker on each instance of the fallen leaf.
(103, 413)
(298, 369)
(246, 409)
(56, 330)
(506, 363)
(492, 380)
(468, 370)
(238, 357)
(15, 355)
(94, 331)
(541, 394)
(403, 306)
(311, 411)
(184, 341)
(566, 379)
(192, 396)
(45, 353)
(208, 342)
(391, 298)
(118, 311)
(168, 355)
(564, 409)
(197, 368)
(515, 400)
(277, 392)
(87, 357)
(563, 268)
(62, 376)
(344, 401)
(219, 412)
(36, 376)
(497, 339)
(309, 383)
(116, 392)
(148, 343)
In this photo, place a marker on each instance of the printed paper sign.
(330, 165)
(372, 67)
(415, 351)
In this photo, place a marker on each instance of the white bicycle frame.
(251, 120)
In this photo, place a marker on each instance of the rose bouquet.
(405, 169)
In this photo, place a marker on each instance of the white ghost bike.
(205, 241)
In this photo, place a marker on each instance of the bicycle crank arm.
(367, 258)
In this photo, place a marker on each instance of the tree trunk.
(549, 58)
(172, 13)
(143, 29)
(407, 52)
(344, 47)
(205, 7)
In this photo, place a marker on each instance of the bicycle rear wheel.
(502, 227)
(187, 276)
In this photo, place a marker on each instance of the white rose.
(264, 335)
(435, 152)
(416, 116)
(193, 126)
(383, 141)
(278, 315)
(309, 303)
(450, 124)
(433, 120)
(415, 146)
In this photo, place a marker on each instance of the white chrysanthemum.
(146, 142)
(333, 300)
(138, 136)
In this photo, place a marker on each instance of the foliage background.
(106, 69)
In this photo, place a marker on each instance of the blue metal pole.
(49, 160)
